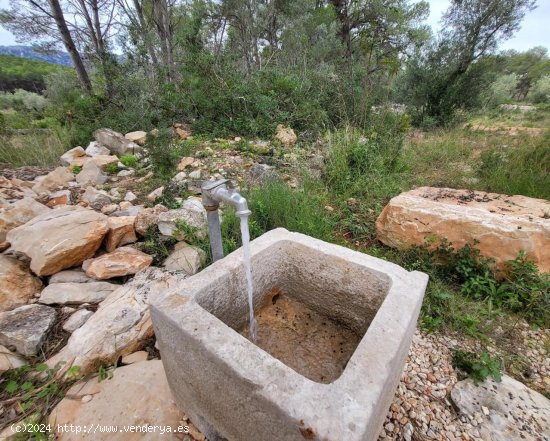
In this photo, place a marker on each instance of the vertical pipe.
(215, 234)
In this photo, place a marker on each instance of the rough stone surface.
(157, 193)
(121, 262)
(185, 258)
(76, 293)
(26, 327)
(136, 357)
(59, 239)
(185, 162)
(100, 160)
(286, 135)
(139, 137)
(17, 284)
(503, 225)
(9, 360)
(96, 199)
(61, 197)
(95, 149)
(116, 143)
(70, 275)
(91, 174)
(19, 213)
(76, 320)
(192, 213)
(60, 177)
(511, 410)
(129, 197)
(121, 232)
(147, 218)
(203, 354)
(136, 395)
(121, 324)
(68, 157)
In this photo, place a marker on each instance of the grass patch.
(35, 148)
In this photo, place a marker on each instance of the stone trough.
(335, 327)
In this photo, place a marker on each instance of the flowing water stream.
(245, 234)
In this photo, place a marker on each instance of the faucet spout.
(213, 193)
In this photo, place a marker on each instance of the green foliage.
(34, 148)
(478, 367)
(165, 153)
(524, 170)
(157, 246)
(35, 390)
(129, 160)
(76, 169)
(275, 205)
(24, 73)
(110, 169)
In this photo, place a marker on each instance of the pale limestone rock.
(26, 327)
(116, 143)
(129, 197)
(60, 177)
(61, 197)
(121, 232)
(96, 199)
(9, 360)
(121, 262)
(515, 412)
(126, 173)
(136, 395)
(286, 135)
(185, 162)
(136, 357)
(70, 276)
(95, 149)
(68, 157)
(59, 239)
(91, 174)
(192, 213)
(100, 160)
(76, 320)
(155, 194)
(179, 178)
(195, 174)
(147, 218)
(139, 137)
(19, 213)
(109, 209)
(71, 293)
(121, 324)
(17, 285)
(185, 258)
(125, 205)
(503, 225)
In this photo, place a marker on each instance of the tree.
(44, 21)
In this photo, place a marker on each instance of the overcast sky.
(534, 30)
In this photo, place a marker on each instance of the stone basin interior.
(312, 308)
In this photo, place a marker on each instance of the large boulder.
(137, 395)
(19, 213)
(91, 174)
(68, 157)
(71, 293)
(503, 225)
(122, 322)
(116, 142)
(511, 411)
(123, 261)
(53, 181)
(59, 239)
(26, 327)
(17, 284)
(95, 149)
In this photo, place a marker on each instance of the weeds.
(129, 160)
(478, 367)
(34, 148)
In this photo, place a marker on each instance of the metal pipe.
(212, 194)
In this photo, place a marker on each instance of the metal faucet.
(214, 192)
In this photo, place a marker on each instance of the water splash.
(245, 234)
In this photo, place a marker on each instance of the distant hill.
(29, 52)
(24, 73)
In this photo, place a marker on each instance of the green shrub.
(129, 160)
(478, 367)
(165, 153)
(110, 169)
